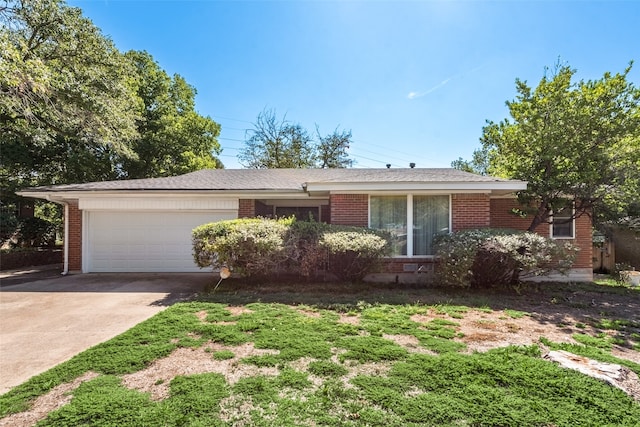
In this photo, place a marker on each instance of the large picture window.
(412, 221)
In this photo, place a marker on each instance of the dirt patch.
(309, 313)
(349, 319)
(409, 342)
(188, 361)
(43, 405)
(238, 310)
(482, 331)
(423, 318)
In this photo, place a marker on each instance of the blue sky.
(414, 81)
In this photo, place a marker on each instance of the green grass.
(327, 369)
(515, 314)
(223, 355)
(510, 386)
(356, 374)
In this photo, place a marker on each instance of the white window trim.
(409, 198)
(573, 227)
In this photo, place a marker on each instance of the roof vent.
(412, 165)
(388, 165)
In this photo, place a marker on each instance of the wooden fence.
(604, 256)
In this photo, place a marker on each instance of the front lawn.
(376, 356)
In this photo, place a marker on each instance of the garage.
(143, 241)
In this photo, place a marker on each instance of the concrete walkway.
(45, 322)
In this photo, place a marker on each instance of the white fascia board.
(159, 204)
(449, 187)
(45, 195)
(62, 196)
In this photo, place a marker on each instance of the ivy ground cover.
(266, 364)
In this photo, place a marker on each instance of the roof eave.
(64, 196)
(486, 186)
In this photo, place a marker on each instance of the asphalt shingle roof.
(275, 179)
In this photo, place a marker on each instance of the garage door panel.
(125, 241)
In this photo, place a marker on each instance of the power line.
(234, 120)
(232, 139)
(359, 143)
(230, 128)
(385, 155)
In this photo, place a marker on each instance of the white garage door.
(144, 241)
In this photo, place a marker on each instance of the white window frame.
(573, 226)
(409, 199)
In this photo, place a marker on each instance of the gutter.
(65, 250)
(65, 262)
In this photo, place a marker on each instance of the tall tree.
(275, 143)
(478, 164)
(332, 149)
(173, 137)
(573, 142)
(64, 88)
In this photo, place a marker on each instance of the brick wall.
(470, 211)
(75, 236)
(246, 208)
(350, 209)
(501, 217)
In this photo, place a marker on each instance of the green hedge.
(262, 247)
(498, 257)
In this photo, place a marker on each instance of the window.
(301, 213)
(390, 214)
(413, 221)
(430, 218)
(563, 223)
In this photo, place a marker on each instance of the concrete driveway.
(45, 322)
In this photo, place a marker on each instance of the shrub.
(351, 254)
(8, 225)
(252, 246)
(493, 257)
(620, 273)
(305, 255)
(35, 232)
(260, 246)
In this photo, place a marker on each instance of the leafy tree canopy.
(173, 137)
(61, 80)
(332, 149)
(479, 163)
(276, 143)
(75, 109)
(576, 142)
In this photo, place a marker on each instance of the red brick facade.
(502, 217)
(350, 209)
(470, 211)
(74, 245)
(467, 211)
(246, 208)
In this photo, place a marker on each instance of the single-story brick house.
(144, 225)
